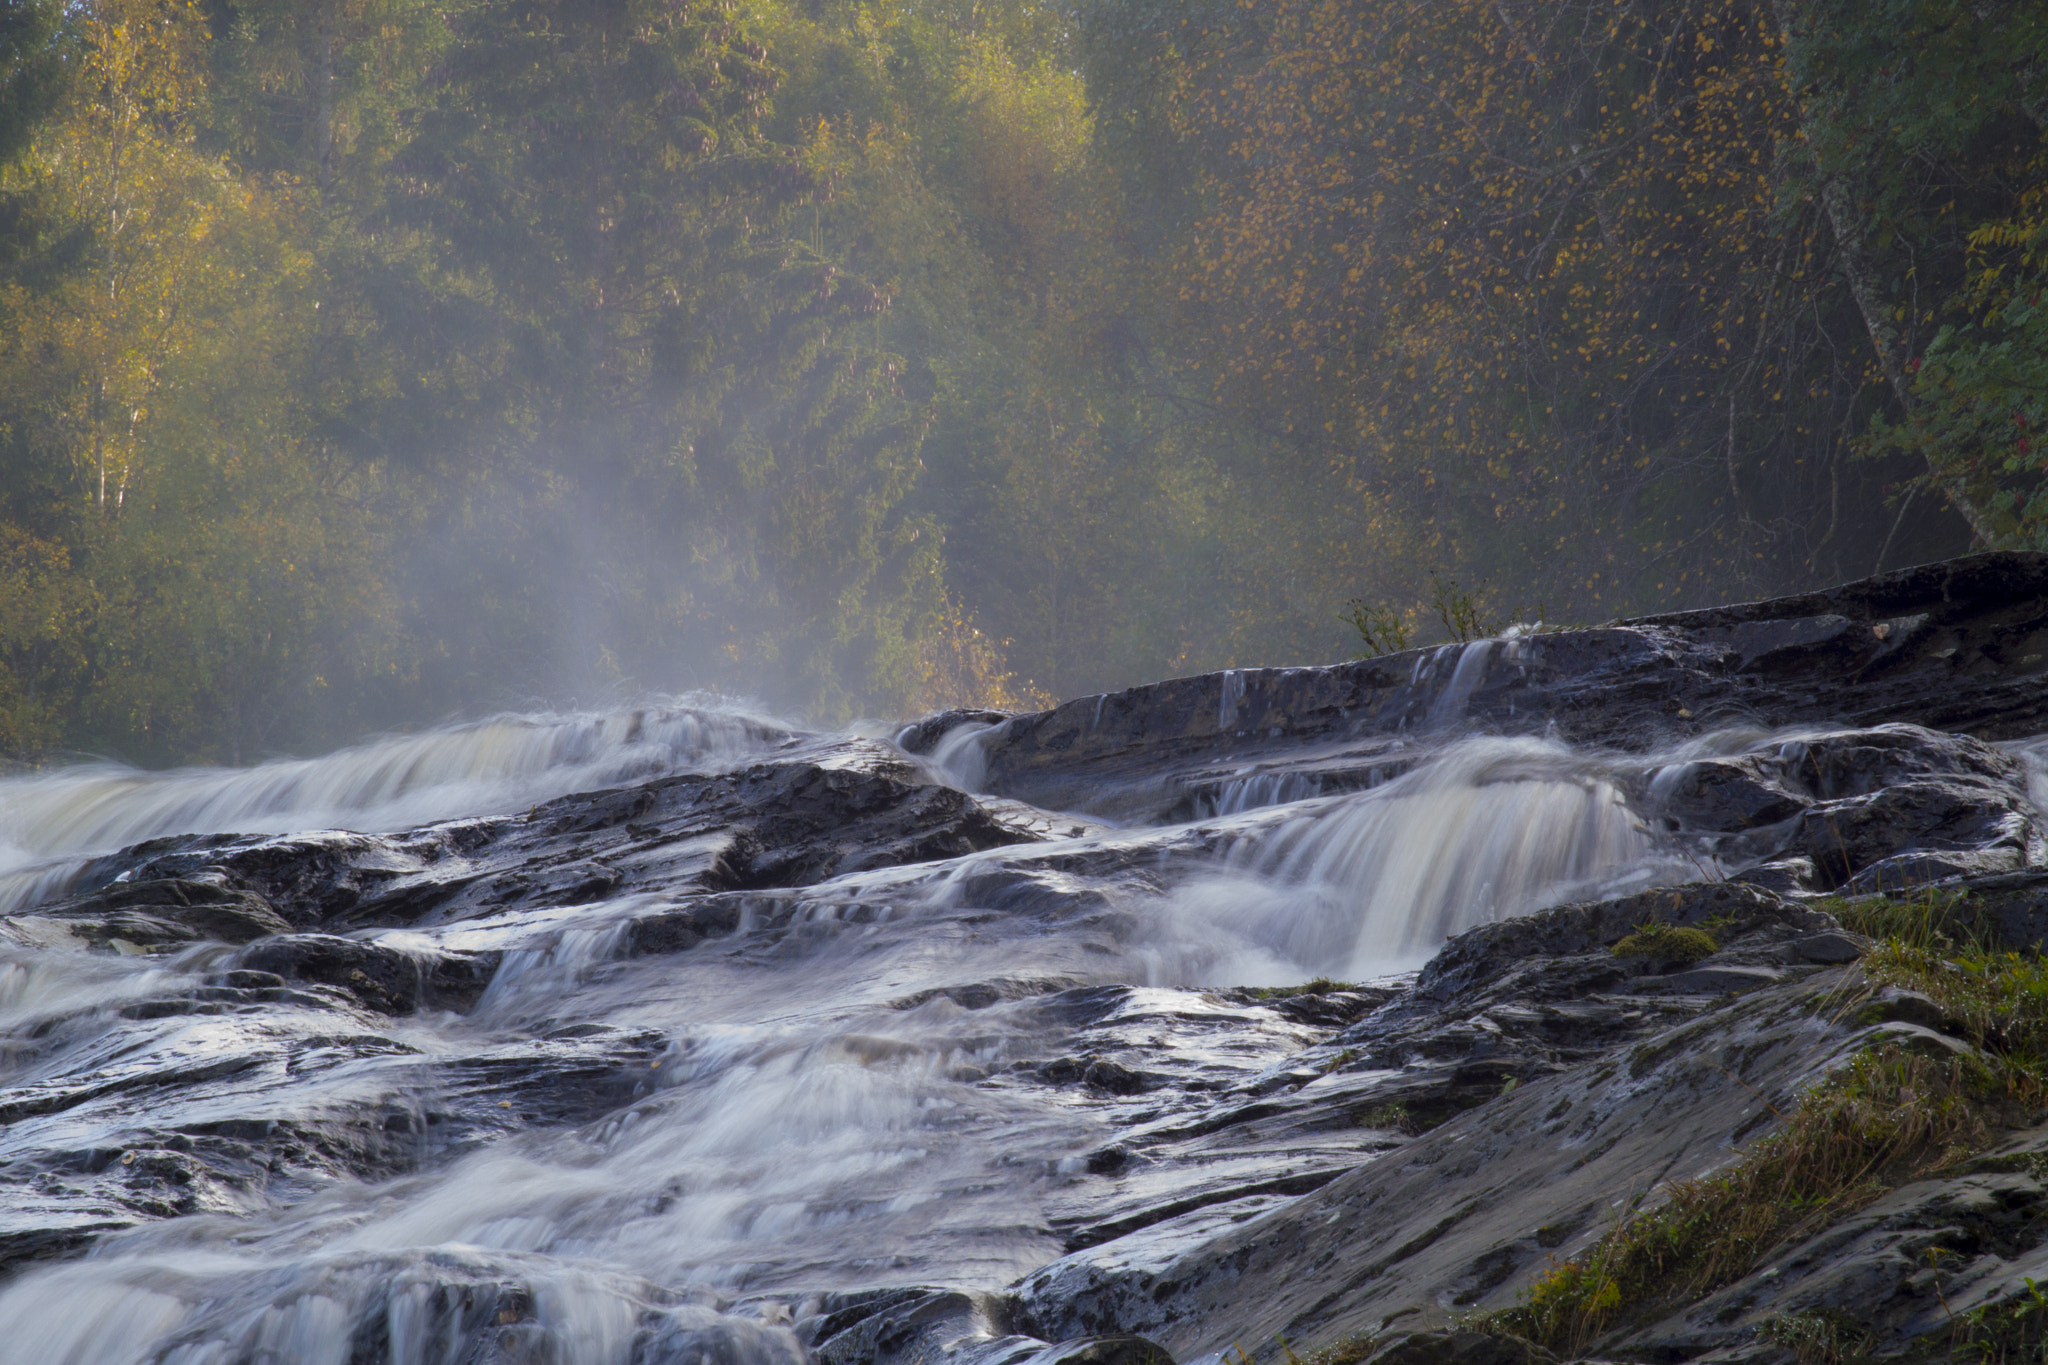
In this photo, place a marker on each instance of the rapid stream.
(841, 1104)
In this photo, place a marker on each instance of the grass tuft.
(1392, 1117)
(1815, 1338)
(2009, 1332)
(1322, 985)
(1936, 919)
(1887, 1117)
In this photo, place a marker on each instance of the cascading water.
(800, 1112)
(49, 822)
(1241, 794)
(1372, 882)
(960, 758)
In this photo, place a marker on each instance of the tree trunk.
(1846, 220)
(323, 96)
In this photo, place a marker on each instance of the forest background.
(368, 361)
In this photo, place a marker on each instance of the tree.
(1921, 132)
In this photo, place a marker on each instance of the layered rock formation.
(996, 1039)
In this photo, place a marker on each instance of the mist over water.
(812, 1113)
(384, 784)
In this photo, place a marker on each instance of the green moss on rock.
(1668, 943)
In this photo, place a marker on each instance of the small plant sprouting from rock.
(1887, 1117)
(1322, 985)
(1667, 943)
(1381, 629)
(1349, 1351)
(1463, 613)
(1997, 1001)
(2007, 1332)
(1812, 1338)
(1392, 1117)
(1936, 919)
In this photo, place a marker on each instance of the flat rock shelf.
(1240, 1014)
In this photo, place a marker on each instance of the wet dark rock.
(2013, 909)
(1959, 647)
(1726, 795)
(907, 1325)
(1451, 1224)
(1328, 1009)
(1459, 1348)
(165, 913)
(381, 978)
(1830, 948)
(769, 826)
(1114, 1079)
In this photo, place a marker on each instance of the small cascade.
(1241, 794)
(806, 1138)
(454, 1306)
(1231, 693)
(2034, 753)
(1372, 882)
(1449, 706)
(960, 758)
(49, 821)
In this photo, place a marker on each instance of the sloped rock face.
(1011, 1041)
(1961, 647)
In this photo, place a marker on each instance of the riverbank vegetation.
(1899, 1112)
(363, 361)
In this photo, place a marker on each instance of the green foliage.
(367, 359)
(1668, 943)
(1982, 386)
(1321, 985)
(1462, 613)
(1349, 1351)
(2009, 1331)
(1920, 123)
(1382, 629)
(31, 69)
(1394, 1117)
(1893, 1114)
(1997, 1000)
(1816, 1338)
(1886, 1118)
(1935, 920)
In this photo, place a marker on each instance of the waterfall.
(802, 1109)
(50, 821)
(1372, 882)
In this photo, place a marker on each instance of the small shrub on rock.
(1668, 943)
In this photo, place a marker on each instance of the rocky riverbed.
(1251, 1012)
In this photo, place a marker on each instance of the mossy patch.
(1392, 1117)
(1668, 943)
(1322, 985)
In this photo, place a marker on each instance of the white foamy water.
(1373, 882)
(49, 821)
(807, 1115)
(2034, 754)
(960, 758)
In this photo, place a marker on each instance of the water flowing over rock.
(1274, 1004)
